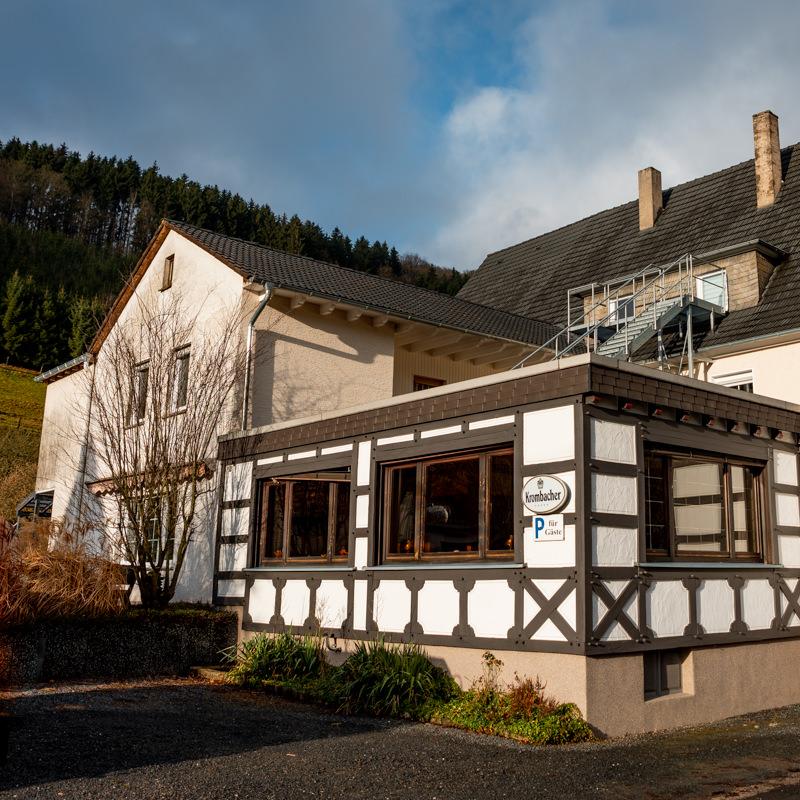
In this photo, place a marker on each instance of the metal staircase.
(618, 318)
(640, 329)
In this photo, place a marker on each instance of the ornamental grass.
(48, 572)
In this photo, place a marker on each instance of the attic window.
(166, 275)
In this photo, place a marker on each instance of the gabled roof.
(706, 214)
(340, 284)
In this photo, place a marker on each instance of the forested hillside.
(71, 228)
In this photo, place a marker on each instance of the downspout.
(85, 456)
(262, 304)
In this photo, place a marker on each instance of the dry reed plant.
(47, 572)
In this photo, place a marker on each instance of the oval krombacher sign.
(544, 494)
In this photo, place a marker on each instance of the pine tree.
(49, 332)
(85, 317)
(20, 337)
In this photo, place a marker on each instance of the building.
(598, 480)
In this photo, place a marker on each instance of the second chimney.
(768, 158)
(651, 201)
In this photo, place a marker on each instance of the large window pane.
(341, 537)
(697, 497)
(451, 507)
(308, 531)
(501, 502)
(744, 510)
(273, 499)
(655, 498)
(402, 514)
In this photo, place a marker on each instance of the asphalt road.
(186, 739)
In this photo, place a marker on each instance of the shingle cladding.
(706, 214)
(309, 276)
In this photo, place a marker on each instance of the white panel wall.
(331, 607)
(715, 610)
(232, 588)
(758, 604)
(538, 553)
(789, 551)
(261, 602)
(785, 467)
(548, 632)
(613, 441)
(235, 521)
(614, 547)
(364, 456)
(238, 478)
(548, 435)
(437, 609)
(667, 608)
(392, 606)
(490, 608)
(614, 494)
(360, 605)
(295, 601)
(232, 557)
(787, 509)
(360, 555)
(615, 632)
(362, 511)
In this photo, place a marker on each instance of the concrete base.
(717, 682)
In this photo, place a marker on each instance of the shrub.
(381, 679)
(48, 572)
(521, 712)
(267, 658)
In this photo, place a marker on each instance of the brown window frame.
(421, 383)
(333, 480)
(484, 509)
(167, 272)
(759, 470)
(139, 391)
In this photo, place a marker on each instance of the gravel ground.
(189, 739)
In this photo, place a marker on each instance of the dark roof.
(703, 215)
(318, 278)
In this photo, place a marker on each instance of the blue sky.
(448, 128)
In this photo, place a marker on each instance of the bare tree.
(163, 390)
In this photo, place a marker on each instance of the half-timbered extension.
(679, 534)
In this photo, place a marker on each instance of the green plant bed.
(400, 681)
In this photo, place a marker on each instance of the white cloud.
(603, 92)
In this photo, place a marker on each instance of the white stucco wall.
(61, 449)
(306, 362)
(772, 375)
(208, 292)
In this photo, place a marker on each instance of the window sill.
(667, 696)
(344, 567)
(418, 565)
(697, 565)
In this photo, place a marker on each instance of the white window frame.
(617, 303)
(700, 282)
(736, 380)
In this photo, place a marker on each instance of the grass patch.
(386, 680)
(21, 410)
(21, 400)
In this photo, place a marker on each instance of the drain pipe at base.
(262, 304)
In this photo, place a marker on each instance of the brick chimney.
(651, 201)
(768, 158)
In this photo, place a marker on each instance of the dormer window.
(713, 288)
(166, 275)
